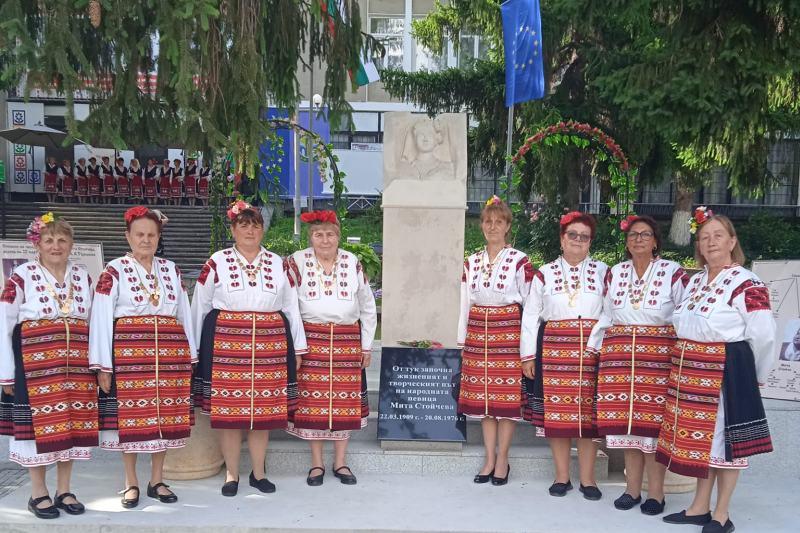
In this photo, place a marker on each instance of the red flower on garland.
(135, 212)
(320, 217)
(569, 218)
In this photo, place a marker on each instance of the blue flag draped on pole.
(522, 39)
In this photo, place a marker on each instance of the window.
(425, 59)
(471, 48)
(389, 31)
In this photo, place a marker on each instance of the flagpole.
(509, 144)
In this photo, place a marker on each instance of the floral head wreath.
(569, 218)
(35, 228)
(627, 222)
(494, 200)
(320, 217)
(702, 214)
(135, 212)
(237, 208)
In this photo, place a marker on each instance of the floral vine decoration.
(320, 217)
(237, 208)
(626, 223)
(34, 232)
(702, 214)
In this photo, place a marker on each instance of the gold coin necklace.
(63, 302)
(487, 267)
(327, 280)
(249, 270)
(636, 295)
(572, 294)
(153, 295)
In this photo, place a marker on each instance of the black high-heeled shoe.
(483, 478)
(497, 481)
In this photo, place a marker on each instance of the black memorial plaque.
(419, 395)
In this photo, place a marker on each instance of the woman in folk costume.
(203, 183)
(164, 182)
(339, 319)
(93, 170)
(49, 400)
(564, 304)
(81, 181)
(143, 346)
(637, 339)
(714, 418)
(109, 183)
(251, 343)
(51, 169)
(136, 174)
(494, 285)
(67, 181)
(123, 183)
(150, 186)
(190, 180)
(176, 190)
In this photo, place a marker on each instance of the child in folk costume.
(242, 300)
(637, 340)
(339, 320)
(136, 175)
(143, 345)
(67, 181)
(109, 183)
(164, 182)
(123, 183)
(81, 181)
(95, 187)
(564, 304)
(190, 181)
(494, 286)
(714, 418)
(51, 169)
(49, 400)
(150, 182)
(176, 190)
(203, 184)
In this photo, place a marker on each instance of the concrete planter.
(200, 458)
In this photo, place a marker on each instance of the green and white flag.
(367, 72)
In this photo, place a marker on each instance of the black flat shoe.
(683, 518)
(346, 479)
(315, 481)
(715, 527)
(45, 512)
(652, 506)
(152, 492)
(264, 485)
(560, 489)
(590, 492)
(483, 478)
(69, 508)
(129, 503)
(230, 488)
(498, 481)
(626, 502)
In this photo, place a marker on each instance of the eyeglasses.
(580, 237)
(636, 235)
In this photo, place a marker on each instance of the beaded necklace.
(572, 295)
(703, 289)
(155, 295)
(487, 267)
(63, 302)
(636, 295)
(327, 280)
(250, 270)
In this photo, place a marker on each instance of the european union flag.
(522, 38)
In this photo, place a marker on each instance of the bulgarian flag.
(367, 73)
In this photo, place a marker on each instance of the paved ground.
(382, 503)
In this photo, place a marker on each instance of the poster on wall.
(783, 279)
(13, 253)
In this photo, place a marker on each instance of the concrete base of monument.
(200, 458)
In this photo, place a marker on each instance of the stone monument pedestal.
(675, 483)
(200, 458)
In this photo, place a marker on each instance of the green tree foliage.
(219, 63)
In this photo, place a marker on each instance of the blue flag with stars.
(522, 39)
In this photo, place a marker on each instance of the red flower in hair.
(135, 212)
(236, 208)
(569, 218)
(320, 217)
(627, 222)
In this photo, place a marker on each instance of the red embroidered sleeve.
(681, 276)
(756, 296)
(106, 281)
(607, 281)
(9, 294)
(527, 267)
(206, 270)
(539, 276)
(292, 272)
